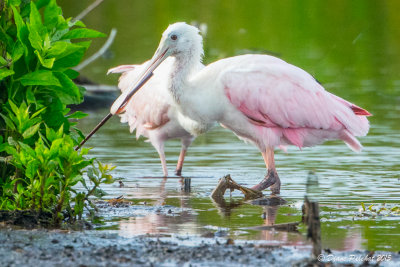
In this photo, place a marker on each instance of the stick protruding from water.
(104, 120)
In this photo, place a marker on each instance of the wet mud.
(97, 248)
(26, 218)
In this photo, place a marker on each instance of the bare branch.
(87, 10)
(100, 52)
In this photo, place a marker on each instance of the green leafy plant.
(39, 166)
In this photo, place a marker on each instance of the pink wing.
(278, 95)
(148, 108)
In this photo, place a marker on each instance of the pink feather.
(280, 96)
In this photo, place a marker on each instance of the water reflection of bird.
(151, 111)
(262, 99)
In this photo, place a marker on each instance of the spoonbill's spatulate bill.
(261, 98)
(151, 111)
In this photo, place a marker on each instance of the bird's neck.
(184, 66)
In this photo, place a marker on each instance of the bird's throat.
(183, 68)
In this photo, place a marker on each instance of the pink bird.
(152, 112)
(262, 99)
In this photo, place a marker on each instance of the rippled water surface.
(344, 180)
(352, 47)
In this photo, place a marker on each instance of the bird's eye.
(174, 37)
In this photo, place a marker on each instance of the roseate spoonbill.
(152, 112)
(261, 98)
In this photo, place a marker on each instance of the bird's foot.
(272, 181)
(178, 172)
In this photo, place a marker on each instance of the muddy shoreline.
(56, 247)
(103, 248)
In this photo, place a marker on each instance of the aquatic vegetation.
(39, 165)
(382, 210)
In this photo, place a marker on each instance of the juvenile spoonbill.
(261, 98)
(152, 111)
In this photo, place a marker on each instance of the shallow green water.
(352, 47)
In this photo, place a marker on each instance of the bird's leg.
(160, 150)
(271, 180)
(178, 170)
(186, 141)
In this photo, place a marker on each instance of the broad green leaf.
(18, 50)
(50, 134)
(30, 97)
(61, 30)
(66, 111)
(5, 73)
(72, 74)
(46, 42)
(55, 146)
(77, 23)
(26, 148)
(60, 131)
(3, 61)
(77, 136)
(57, 48)
(8, 122)
(12, 151)
(85, 44)
(53, 114)
(49, 181)
(77, 115)
(37, 112)
(27, 123)
(22, 30)
(31, 169)
(31, 131)
(36, 185)
(52, 14)
(14, 108)
(41, 3)
(82, 33)
(37, 31)
(5, 38)
(82, 164)
(75, 180)
(68, 90)
(35, 19)
(47, 63)
(34, 38)
(40, 77)
(71, 57)
(3, 147)
(15, 2)
(20, 188)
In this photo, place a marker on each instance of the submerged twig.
(285, 227)
(226, 182)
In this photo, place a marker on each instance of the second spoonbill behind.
(152, 113)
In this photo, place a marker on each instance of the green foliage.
(39, 166)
